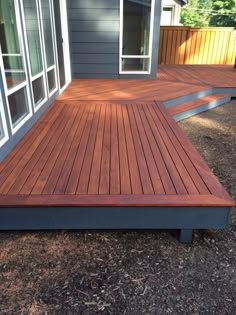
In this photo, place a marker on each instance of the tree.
(209, 13)
(196, 13)
(224, 13)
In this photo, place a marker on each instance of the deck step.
(198, 105)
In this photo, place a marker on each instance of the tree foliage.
(225, 16)
(209, 13)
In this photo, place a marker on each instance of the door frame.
(66, 44)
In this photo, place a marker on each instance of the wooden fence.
(194, 45)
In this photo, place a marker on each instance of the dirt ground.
(146, 272)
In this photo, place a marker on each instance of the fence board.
(194, 45)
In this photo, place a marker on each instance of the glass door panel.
(136, 23)
(60, 48)
(32, 28)
(13, 62)
(48, 44)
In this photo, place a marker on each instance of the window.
(14, 63)
(167, 15)
(136, 35)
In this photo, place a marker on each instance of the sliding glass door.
(13, 64)
(136, 35)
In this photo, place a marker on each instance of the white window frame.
(54, 48)
(25, 84)
(149, 56)
(3, 123)
(42, 73)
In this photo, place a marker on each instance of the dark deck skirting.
(88, 218)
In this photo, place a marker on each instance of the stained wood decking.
(107, 154)
(172, 81)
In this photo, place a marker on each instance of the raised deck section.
(120, 161)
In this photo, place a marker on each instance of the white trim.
(65, 45)
(149, 56)
(14, 70)
(12, 55)
(35, 77)
(135, 56)
(16, 88)
(4, 124)
(44, 48)
(42, 73)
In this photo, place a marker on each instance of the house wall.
(176, 11)
(94, 36)
(94, 27)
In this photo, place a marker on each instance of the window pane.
(135, 64)
(32, 31)
(18, 105)
(51, 80)
(14, 78)
(136, 27)
(38, 90)
(13, 63)
(47, 31)
(8, 29)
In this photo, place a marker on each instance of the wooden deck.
(108, 145)
(118, 154)
(172, 81)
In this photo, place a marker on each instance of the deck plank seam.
(150, 148)
(167, 149)
(41, 181)
(92, 144)
(24, 159)
(84, 118)
(141, 145)
(80, 113)
(178, 152)
(36, 156)
(159, 152)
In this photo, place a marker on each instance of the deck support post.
(185, 236)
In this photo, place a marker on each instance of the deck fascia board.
(114, 201)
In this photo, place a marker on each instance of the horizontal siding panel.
(98, 26)
(105, 48)
(96, 58)
(95, 14)
(94, 37)
(95, 76)
(94, 4)
(95, 68)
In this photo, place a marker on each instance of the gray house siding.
(94, 37)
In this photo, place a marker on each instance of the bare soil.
(145, 272)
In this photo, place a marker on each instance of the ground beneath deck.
(130, 272)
